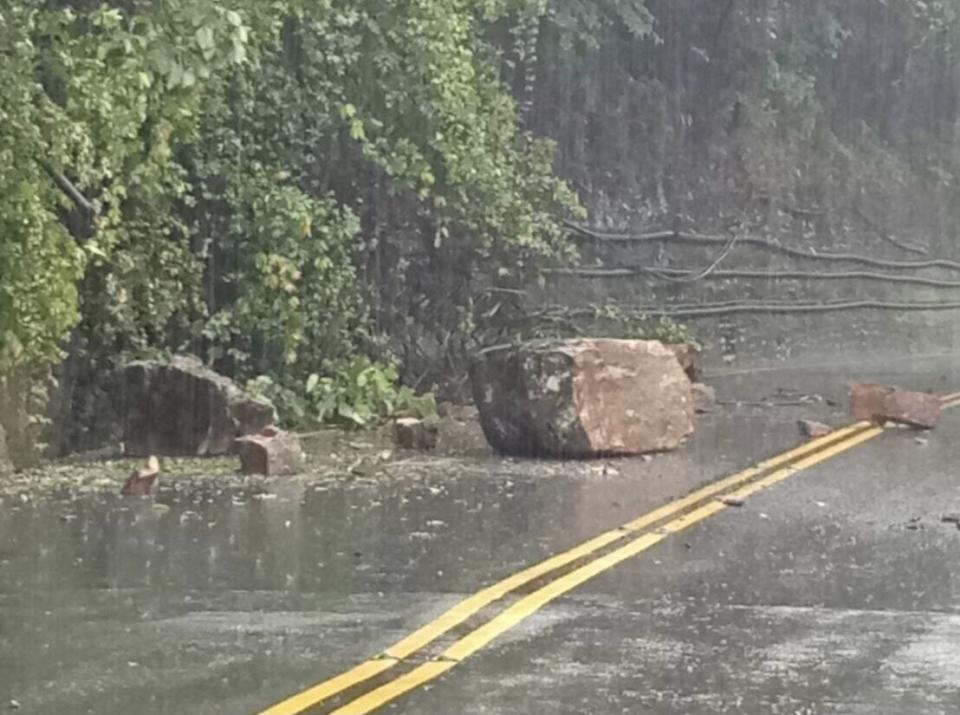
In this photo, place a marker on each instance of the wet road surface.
(833, 591)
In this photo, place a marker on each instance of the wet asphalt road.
(833, 592)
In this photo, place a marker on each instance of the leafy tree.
(199, 174)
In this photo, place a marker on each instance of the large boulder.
(182, 408)
(582, 398)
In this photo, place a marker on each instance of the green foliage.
(588, 23)
(615, 322)
(605, 321)
(174, 164)
(295, 302)
(94, 98)
(357, 394)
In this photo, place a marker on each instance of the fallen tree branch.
(787, 308)
(690, 276)
(761, 243)
(625, 272)
(703, 310)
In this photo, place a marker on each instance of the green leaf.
(356, 130)
(204, 37)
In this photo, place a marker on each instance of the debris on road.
(733, 501)
(704, 398)
(951, 519)
(412, 433)
(272, 452)
(140, 482)
(813, 429)
(881, 404)
(582, 398)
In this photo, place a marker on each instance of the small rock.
(812, 429)
(921, 441)
(411, 433)
(279, 454)
(951, 519)
(13, 705)
(140, 482)
(704, 398)
(733, 501)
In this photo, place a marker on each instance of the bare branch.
(632, 272)
(760, 243)
(68, 188)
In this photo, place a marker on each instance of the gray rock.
(582, 398)
(704, 397)
(273, 452)
(183, 408)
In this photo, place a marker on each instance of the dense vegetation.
(281, 186)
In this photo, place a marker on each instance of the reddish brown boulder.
(272, 452)
(582, 398)
(882, 403)
(687, 357)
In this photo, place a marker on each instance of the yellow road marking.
(530, 604)
(472, 605)
(740, 477)
(327, 689)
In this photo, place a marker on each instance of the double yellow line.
(637, 536)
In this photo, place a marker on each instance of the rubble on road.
(704, 398)
(813, 429)
(881, 404)
(272, 452)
